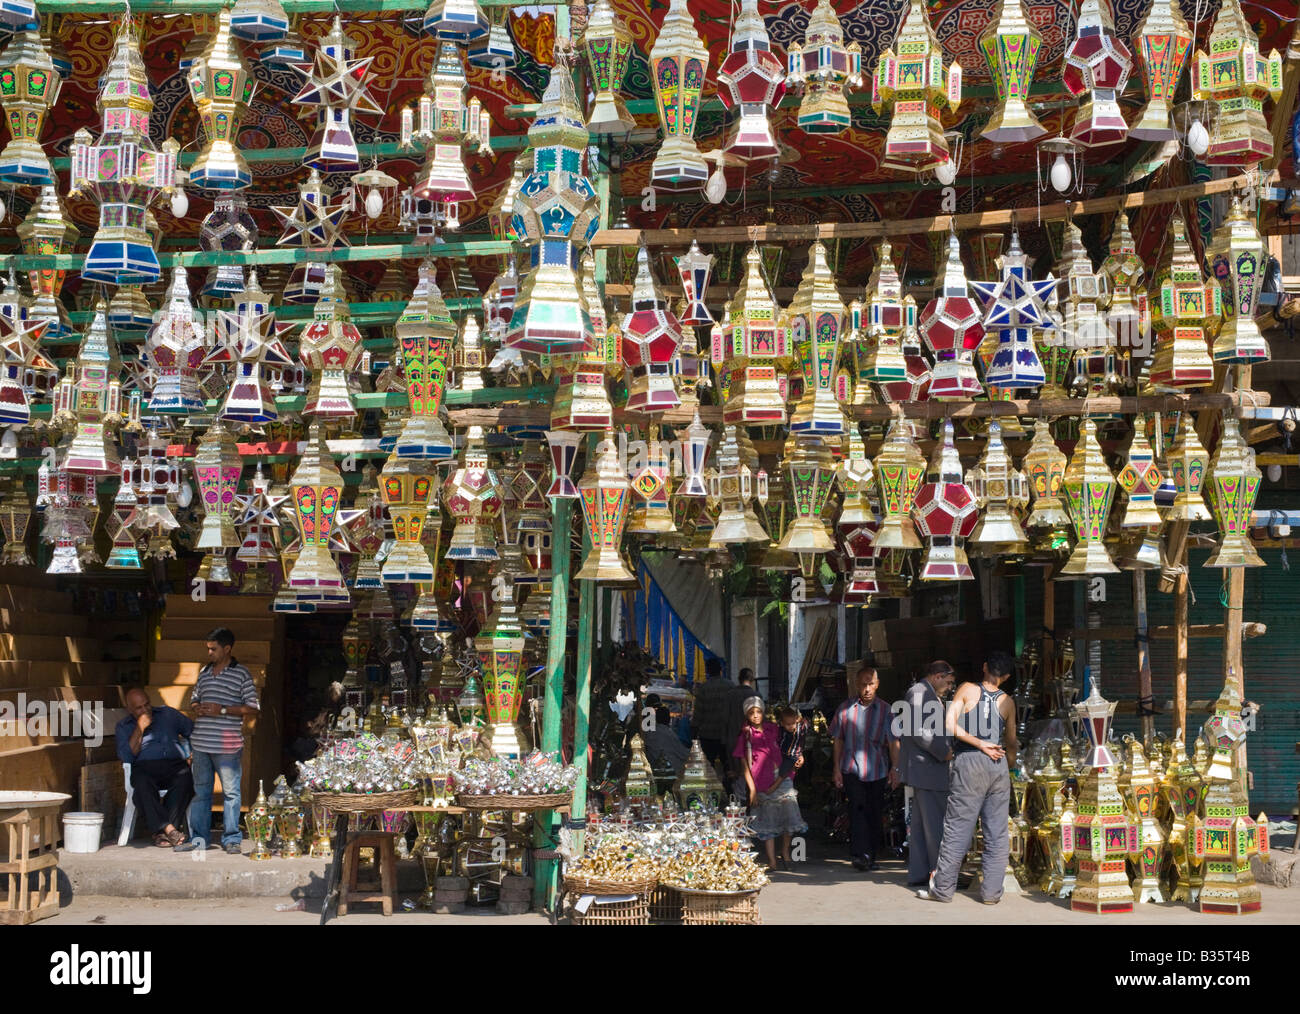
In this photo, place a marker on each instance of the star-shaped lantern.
(253, 341)
(20, 351)
(336, 82)
(313, 224)
(1014, 307)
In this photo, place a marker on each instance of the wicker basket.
(616, 913)
(366, 802)
(577, 884)
(720, 908)
(665, 905)
(506, 802)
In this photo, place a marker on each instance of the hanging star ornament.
(20, 351)
(1014, 306)
(336, 82)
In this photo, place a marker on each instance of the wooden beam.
(1164, 632)
(803, 234)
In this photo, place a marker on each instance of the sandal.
(175, 837)
(160, 839)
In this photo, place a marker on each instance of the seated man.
(149, 740)
(663, 749)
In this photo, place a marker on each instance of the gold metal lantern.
(29, 88)
(1162, 41)
(1234, 480)
(316, 490)
(605, 495)
(607, 44)
(1011, 46)
(899, 471)
(1238, 260)
(679, 63)
(1090, 491)
(222, 88)
(1238, 78)
(817, 320)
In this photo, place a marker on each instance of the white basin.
(19, 799)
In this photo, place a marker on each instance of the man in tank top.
(981, 722)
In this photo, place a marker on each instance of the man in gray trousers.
(982, 722)
(923, 756)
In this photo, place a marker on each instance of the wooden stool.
(30, 836)
(385, 861)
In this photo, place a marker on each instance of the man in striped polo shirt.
(223, 695)
(865, 762)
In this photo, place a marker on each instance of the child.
(774, 806)
(794, 729)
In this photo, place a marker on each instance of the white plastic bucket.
(81, 831)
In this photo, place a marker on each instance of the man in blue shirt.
(149, 740)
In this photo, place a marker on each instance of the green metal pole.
(544, 875)
(582, 671)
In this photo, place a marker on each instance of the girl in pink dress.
(773, 803)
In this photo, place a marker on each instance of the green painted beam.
(496, 395)
(384, 311)
(544, 884)
(453, 250)
(295, 403)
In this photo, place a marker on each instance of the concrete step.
(14, 621)
(249, 653)
(187, 628)
(220, 608)
(141, 870)
(50, 648)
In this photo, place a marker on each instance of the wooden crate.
(740, 909)
(29, 872)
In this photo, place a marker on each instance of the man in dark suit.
(923, 756)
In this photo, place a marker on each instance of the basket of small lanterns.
(362, 774)
(531, 782)
(612, 883)
(718, 884)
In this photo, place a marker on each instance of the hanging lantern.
(1234, 482)
(605, 494)
(811, 473)
(1090, 490)
(651, 484)
(254, 341)
(695, 268)
(331, 348)
(1002, 494)
(1183, 305)
(447, 123)
(1044, 466)
(733, 484)
(69, 501)
(911, 81)
(752, 78)
(1097, 64)
(1140, 478)
(336, 83)
(501, 655)
(122, 170)
(563, 448)
(946, 513)
(257, 518)
(29, 88)
(407, 487)
(1238, 260)
(1238, 78)
(313, 223)
(425, 332)
(473, 497)
(259, 20)
(176, 349)
(89, 395)
(15, 518)
(222, 88)
(582, 398)
(19, 15)
(817, 317)
(651, 336)
(607, 43)
(1014, 306)
(316, 488)
(1011, 46)
(1162, 41)
(47, 230)
(458, 20)
(1189, 463)
(824, 69)
(952, 326)
(857, 523)
(494, 51)
(156, 480)
(679, 62)
(217, 466)
(899, 470)
(695, 449)
(1086, 290)
(20, 352)
(751, 347)
(228, 227)
(555, 216)
(888, 315)
(1127, 318)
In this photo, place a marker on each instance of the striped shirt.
(232, 686)
(864, 730)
